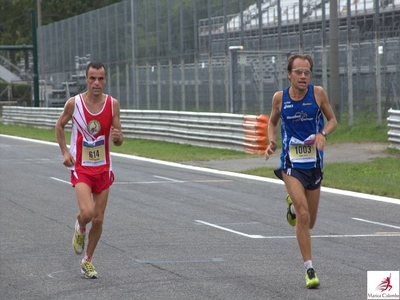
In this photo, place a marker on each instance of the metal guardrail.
(394, 128)
(219, 130)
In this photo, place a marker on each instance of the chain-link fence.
(174, 54)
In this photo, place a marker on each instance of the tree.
(15, 24)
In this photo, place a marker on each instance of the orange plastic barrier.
(255, 130)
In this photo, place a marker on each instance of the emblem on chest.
(94, 127)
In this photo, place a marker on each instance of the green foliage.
(15, 22)
(22, 93)
(3, 92)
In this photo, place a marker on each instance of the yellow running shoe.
(312, 280)
(291, 218)
(78, 240)
(88, 270)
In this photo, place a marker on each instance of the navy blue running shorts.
(309, 178)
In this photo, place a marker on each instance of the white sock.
(292, 209)
(81, 230)
(87, 258)
(308, 264)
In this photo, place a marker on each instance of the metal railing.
(394, 128)
(218, 130)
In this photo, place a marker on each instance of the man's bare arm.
(116, 131)
(65, 117)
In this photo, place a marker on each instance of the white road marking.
(139, 182)
(17, 160)
(258, 178)
(152, 182)
(193, 260)
(58, 179)
(376, 223)
(337, 236)
(51, 275)
(175, 181)
(228, 173)
(166, 178)
(239, 223)
(252, 236)
(256, 236)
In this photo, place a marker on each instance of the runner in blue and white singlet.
(301, 109)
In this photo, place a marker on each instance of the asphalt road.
(179, 232)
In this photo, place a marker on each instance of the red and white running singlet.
(90, 137)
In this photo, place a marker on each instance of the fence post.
(233, 77)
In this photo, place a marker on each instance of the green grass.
(380, 176)
(364, 129)
(30, 132)
(175, 152)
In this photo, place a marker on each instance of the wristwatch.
(323, 132)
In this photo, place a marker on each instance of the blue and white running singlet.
(300, 122)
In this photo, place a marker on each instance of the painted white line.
(361, 195)
(252, 236)
(256, 236)
(228, 173)
(169, 182)
(29, 140)
(139, 182)
(166, 178)
(239, 223)
(259, 178)
(376, 223)
(193, 260)
(58, 179)
(51, 275)
(17, 160)
(336, 236)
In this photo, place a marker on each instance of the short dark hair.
(95, 65)
(301, 56)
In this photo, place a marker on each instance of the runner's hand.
(68, 160)
(270, 149)
(320, 142)
(115, 134)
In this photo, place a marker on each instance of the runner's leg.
(100, 203)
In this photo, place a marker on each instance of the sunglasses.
(300, 71)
